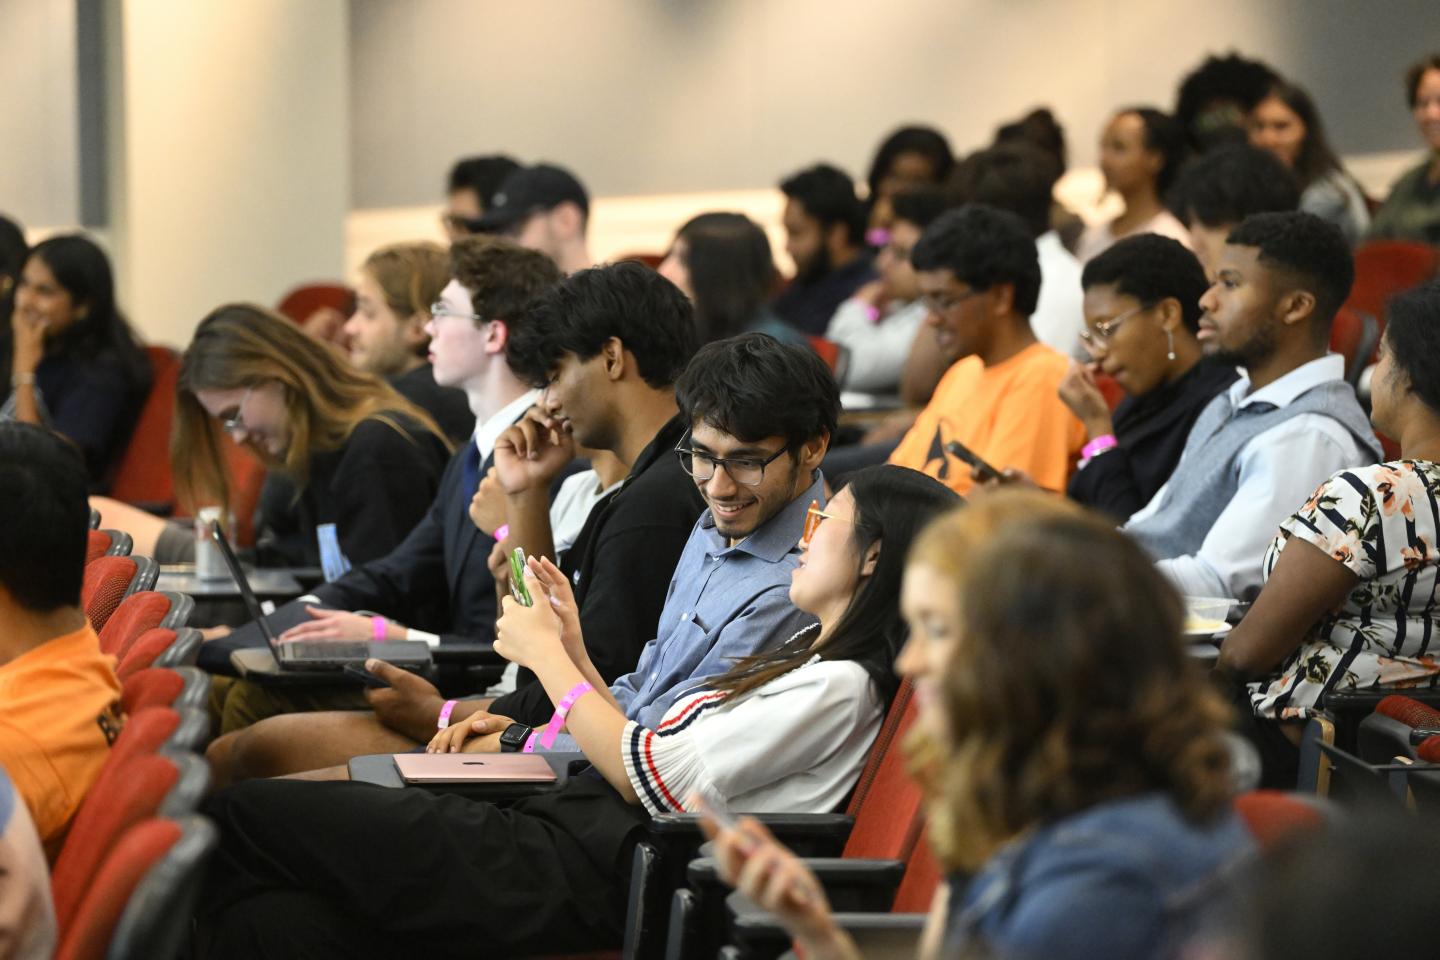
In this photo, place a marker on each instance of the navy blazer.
(438, 578)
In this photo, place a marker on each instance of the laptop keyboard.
(328, 652)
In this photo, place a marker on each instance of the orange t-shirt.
(1010, 414)
(59, 713)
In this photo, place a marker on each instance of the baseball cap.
(528, 191)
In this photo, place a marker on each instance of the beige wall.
(39, 167)
(229, 170)
(671, 96)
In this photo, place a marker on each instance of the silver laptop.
(318, 655)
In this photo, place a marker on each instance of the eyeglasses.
(235, 422)
(439, 310)
(1105, 329)
(743, 470)
(945, 302)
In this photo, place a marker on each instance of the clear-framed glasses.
(1105, 329)
(439, 310)
(945, 302)
(748, 471)
(235, 422)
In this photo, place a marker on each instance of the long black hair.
(732, 272)
(1316, 158)
(892, 505)
(83, 270)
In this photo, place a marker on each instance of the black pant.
(348, 869)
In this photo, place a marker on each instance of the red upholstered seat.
(1354, 335)
(135, 614)
(125, 794)
(106, 581)
(922, 876)
(1408, 711)
(887, 811)
(1273, 816)
(94, 918)
(152, 687)
(1384, 268)
(144, 472)
(140, 901)
(141, 653)
(97, 546)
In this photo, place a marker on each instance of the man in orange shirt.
(979, 275)
(59, 699)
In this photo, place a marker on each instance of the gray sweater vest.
(1208, 474)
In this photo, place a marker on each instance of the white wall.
(670, 96)
(39, 126)
(229, 166)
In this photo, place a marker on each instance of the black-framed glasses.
(747, 471)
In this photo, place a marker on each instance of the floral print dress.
(1381, 522)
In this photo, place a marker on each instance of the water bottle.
(209, 564)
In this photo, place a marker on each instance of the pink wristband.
(530, 742)
(501, 532)
(445, 712)
(377, 624)
(1098, 446)
(557, 721)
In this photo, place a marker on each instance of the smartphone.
(357, 672)
(961, 452)
(517, 578)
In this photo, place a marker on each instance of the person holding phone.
(787, 728)
(1078, 818)
(979, 275)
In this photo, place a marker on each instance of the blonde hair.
(242, 345)
(1069, 685)
(410, 275)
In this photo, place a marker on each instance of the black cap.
(528, 191)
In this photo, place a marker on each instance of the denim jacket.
(1127, 880)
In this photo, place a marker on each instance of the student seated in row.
(1289, 422)
(59, 698)
(1075, 765)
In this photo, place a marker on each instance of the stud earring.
(1170, 340)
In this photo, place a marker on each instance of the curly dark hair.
(1229, 79)
(627, 301)
(828, 194)
(1412, 335)
(926, 141)
(501, 276)
(1231, 183)
(1151, 268)
(1312, 251)
(1165, 136)
(1018, 177)
(1071, 686)
(982, 247)
(753, 386)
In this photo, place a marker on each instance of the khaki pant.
(236, 704)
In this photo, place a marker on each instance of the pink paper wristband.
(557, 721)
(445, 712)
(377, 624)
(1098, 446)
(501, 532)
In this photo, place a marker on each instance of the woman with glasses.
(366, 462)
(312, 868)
(1142, 311)
(71, 361)
(1074, 765)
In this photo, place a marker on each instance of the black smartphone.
(357, 672)
(961, 452)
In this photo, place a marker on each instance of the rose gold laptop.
(473, 768)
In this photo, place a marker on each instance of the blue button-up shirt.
(723, 603)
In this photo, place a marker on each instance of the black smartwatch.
(514, 738)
